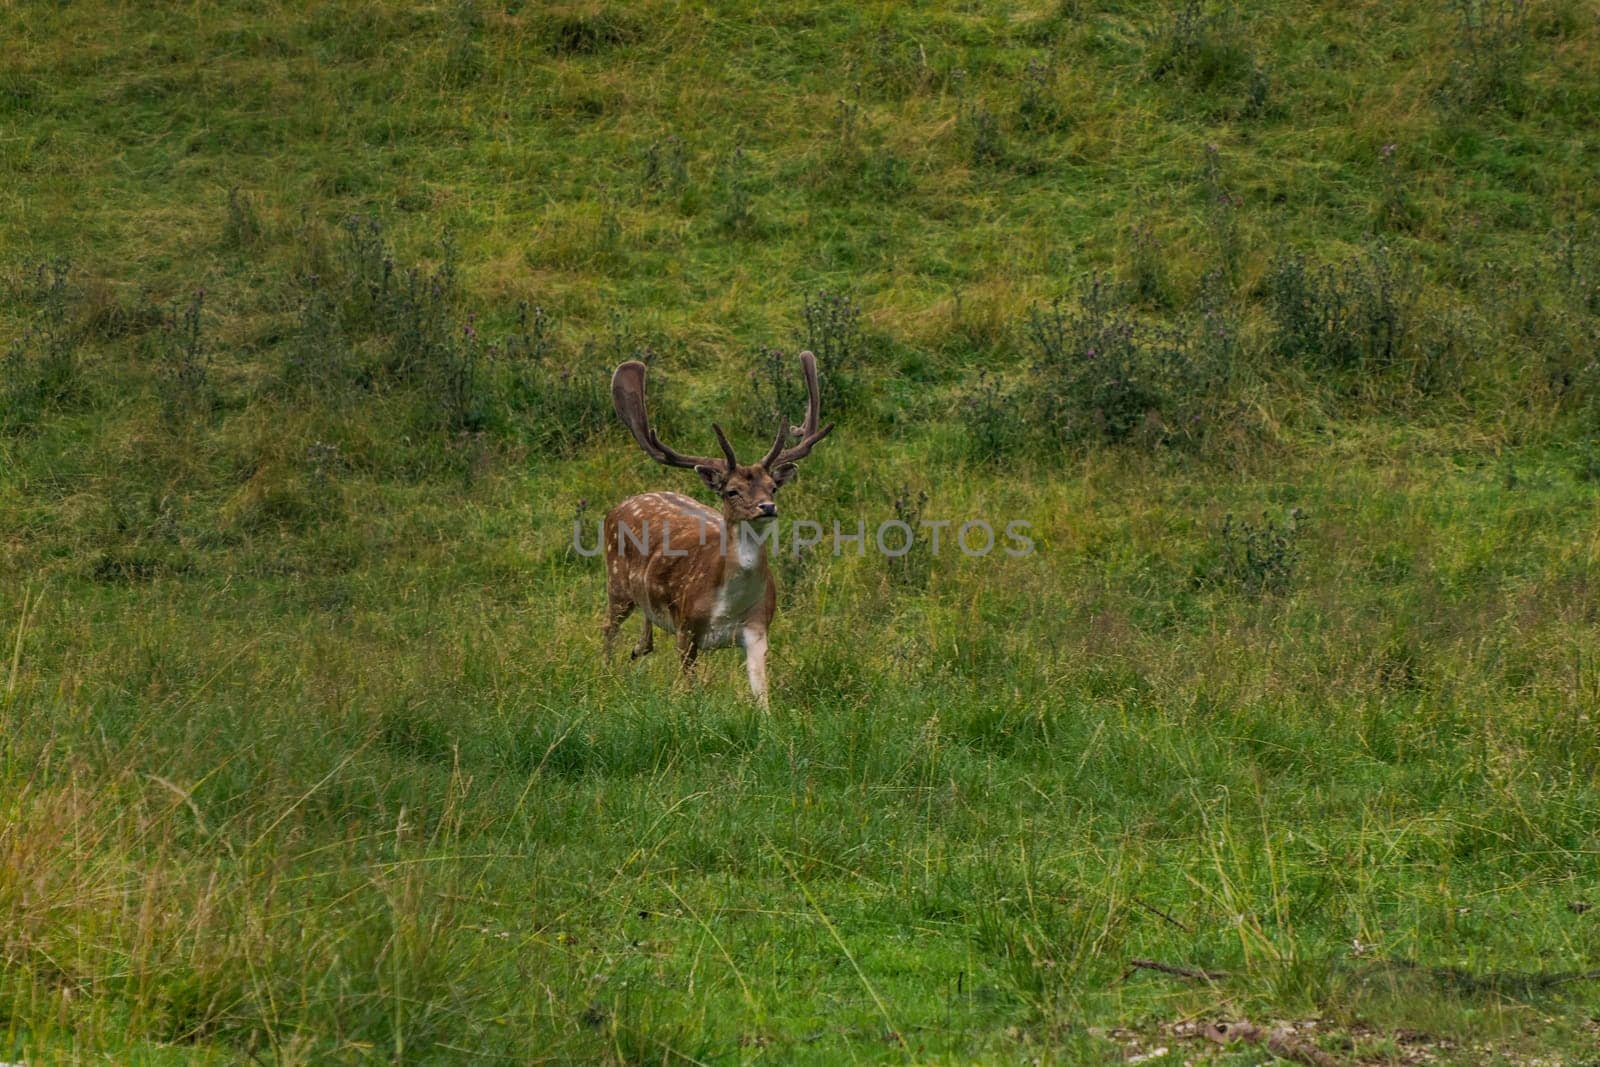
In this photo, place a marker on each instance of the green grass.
(308, 753)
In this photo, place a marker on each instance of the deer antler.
(807, 431)
(727, 449)
(627, 394)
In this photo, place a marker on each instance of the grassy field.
(1277, 322)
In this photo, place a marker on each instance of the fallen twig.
(1173, 969)
(1509, 983)
(1158, 913)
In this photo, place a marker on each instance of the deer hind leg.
(647, 641)
(618, 608)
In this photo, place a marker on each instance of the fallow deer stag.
(693, 571)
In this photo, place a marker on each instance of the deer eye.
(730, 493)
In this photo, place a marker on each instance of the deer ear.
(714, 477)
(784, 473)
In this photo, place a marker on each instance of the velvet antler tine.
(807, 432)
(808, 368)
(727, 449)
(628, 397)
(803, 449)
(777, 443)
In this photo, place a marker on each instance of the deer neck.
(746, 551)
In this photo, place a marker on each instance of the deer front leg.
(647, 642)
(688, 649)
(754, 641)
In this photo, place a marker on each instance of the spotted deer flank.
(694, 571)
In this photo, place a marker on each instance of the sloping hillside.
(1276, 323)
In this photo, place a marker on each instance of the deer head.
(746, 490)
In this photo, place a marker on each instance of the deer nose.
(768, 509)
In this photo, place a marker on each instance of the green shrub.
(1489, 55)
(39, 371)
(989, 415)
(558, 402)
(1394, 209)
(776, 392)
(831, 327)
(986, 141)
(1259, 557)
(425, 337)
(183, 365)
(1094, 372)
(1037, 106)
(318, 360)
(590, 32)
(1102, 375)
(1206, 50)
(909, 560)
(1355, 314)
